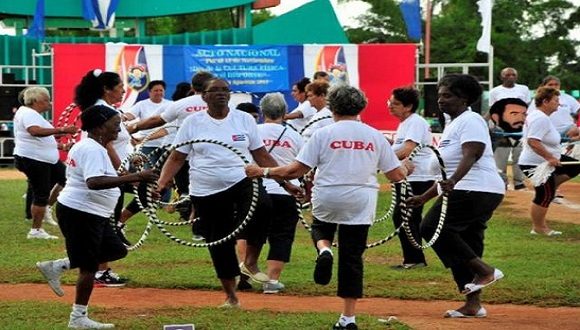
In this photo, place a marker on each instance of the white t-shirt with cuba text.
(483, 175)
(40, 148)
(347, 155)
(88, 159)
(283, 150)
(416, 129)
(214, 168)
(181, 109)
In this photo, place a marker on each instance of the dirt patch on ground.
(417, 314)
(11, 174)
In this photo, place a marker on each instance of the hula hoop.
(406, 212)
(151, 186)
(312, 122)
(63, 120)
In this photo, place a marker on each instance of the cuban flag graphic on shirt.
(238, 137)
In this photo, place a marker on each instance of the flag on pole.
(484, 42)
(36, 29)
(411, 11)
(100, 12)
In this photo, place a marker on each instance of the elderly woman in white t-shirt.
(283, 143)
(474, 190)
(83, 210)
(347, 155)
(412, 131)
(36, 155)
(542, 144)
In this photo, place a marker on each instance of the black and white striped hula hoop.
(406, 192)
(151, 214)
(312, 122)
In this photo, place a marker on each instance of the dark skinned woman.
(475, 190)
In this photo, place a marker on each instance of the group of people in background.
(322, 136)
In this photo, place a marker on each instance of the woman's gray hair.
(32, 94)
(346, 100)
(273, 105)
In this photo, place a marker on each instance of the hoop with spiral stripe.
(406, 192)
(151, 214)
(310, 123)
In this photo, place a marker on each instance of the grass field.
(539, 271)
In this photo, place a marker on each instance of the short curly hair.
(407, 96)
(346, 100)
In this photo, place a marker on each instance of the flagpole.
(428, 39)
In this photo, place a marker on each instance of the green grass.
(539, 271)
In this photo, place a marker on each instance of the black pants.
(89, 238)
(41, 177)
(411, 255)
(352, 240)
(462, 235)
(219, 214)
(282, 228)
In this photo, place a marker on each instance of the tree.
(529, 35)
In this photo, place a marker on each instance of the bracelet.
(266, 173)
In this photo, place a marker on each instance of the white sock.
(99, 273)
(325, 249)
(273, 281)
(344, 320)
(79, 310)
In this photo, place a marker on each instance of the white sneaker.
(40, 233)
(51, 273)
(48, 217)
(83, 322)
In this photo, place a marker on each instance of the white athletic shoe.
(48, 217)
(83, 322)
(40, 234)
(52, 274)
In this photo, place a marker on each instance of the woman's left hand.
(254, 171)
(447, 185)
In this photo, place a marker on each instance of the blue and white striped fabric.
(100, 12)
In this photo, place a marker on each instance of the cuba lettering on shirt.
(354, 145)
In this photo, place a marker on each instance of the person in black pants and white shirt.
(475, 190)
(83, 210)
(218, 185)
(347, 154)
(36, 155)
(283, 143)
(412, 131)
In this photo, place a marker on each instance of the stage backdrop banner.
(137, 65)
(71, 63)
(381, 69)
(339, 61)
(375, 68)
(247, 68)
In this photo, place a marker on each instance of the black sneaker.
(121, 234)
(350, 326)
(323, 268)
(110, 280)
(244, 283)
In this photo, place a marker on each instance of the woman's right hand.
(148, 175)
(415, 201)
(554, 162)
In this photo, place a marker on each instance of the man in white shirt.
(506, 145)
